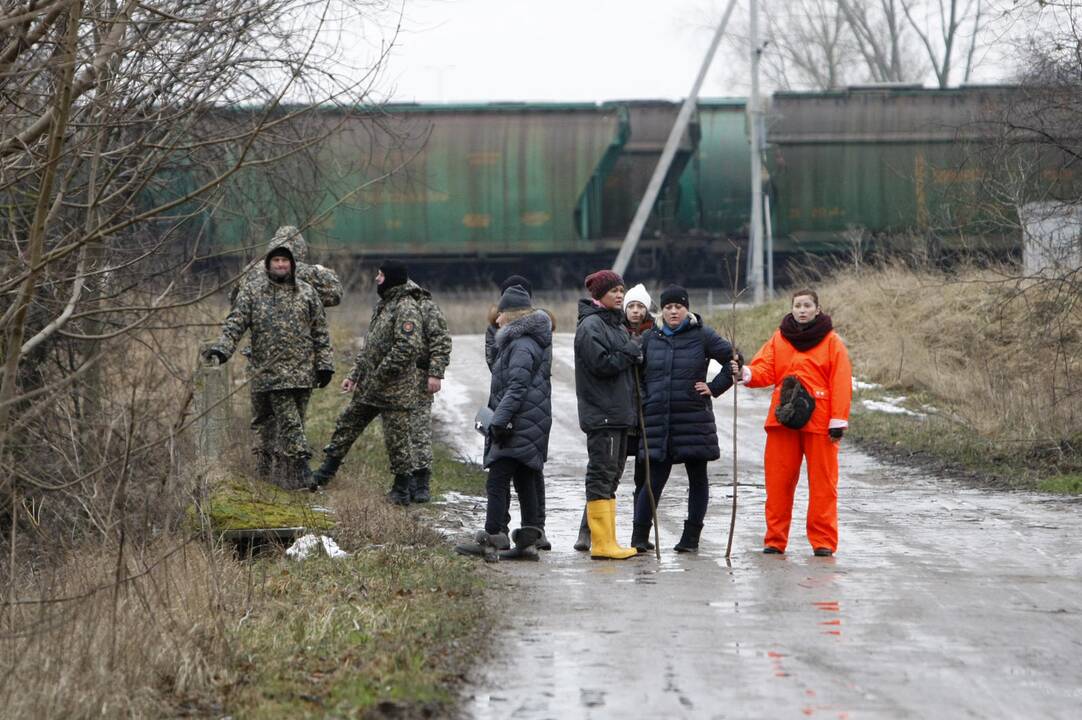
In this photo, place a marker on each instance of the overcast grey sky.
(581, 50)
(560, 50)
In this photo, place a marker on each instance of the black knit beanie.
(516, 280)
(514, 298)
(674, 294)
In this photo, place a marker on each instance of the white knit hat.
(637, 294)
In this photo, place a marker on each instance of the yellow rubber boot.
(601, 515)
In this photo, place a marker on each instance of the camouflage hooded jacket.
(324, 280)
(289, 332)
(437, 337)
(386, 371)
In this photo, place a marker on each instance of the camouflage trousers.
(421, 436)
(397, 437)
(278, 422)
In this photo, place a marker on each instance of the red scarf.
(805, 337)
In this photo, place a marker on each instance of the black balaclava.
(394, 274)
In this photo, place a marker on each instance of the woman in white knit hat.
(639, 321)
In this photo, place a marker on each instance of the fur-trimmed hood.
(493, 313)
(538, 324)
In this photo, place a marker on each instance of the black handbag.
(795, 405)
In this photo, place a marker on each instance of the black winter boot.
(400, 491)
(583, 542)
(326, 471)
(419, 491)
(640, 532)
(543, 542)
(484, 545)
(689, 540)
(293, 473)
(525, 548)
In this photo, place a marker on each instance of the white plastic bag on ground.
(304, 546)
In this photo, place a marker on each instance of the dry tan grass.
(143, 648)
(466, 310)
(1003, 355)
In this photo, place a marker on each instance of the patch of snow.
(861, 385)
(890, 405)
(307, 545)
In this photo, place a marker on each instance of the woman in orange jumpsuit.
(806, 347)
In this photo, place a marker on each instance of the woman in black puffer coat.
(520, 397)
(679, 417)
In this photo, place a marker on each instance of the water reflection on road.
(942, 600)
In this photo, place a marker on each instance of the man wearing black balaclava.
(385, 381)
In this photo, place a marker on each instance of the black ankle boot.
(419, 490)
(689, 540)
(483, 545)
(640, 532)
(400, 491)
(582, 544)
(525, 539)
(327, 470)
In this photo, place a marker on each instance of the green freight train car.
(892, 166)
(468, 191)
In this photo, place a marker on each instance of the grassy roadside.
(387, 631)
(964, 355)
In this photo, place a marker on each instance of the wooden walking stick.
(646, 464)
(732, 519)
(732, 342)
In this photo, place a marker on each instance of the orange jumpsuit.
(827, 374)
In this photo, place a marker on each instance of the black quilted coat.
(521, 390)
(679, 421)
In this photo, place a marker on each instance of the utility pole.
(755, 241)
(646, 205)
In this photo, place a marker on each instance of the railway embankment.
(975, 372)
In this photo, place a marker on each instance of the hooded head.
(394, 274)
(290, 237)
(271, 267)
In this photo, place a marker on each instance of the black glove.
(212, 354)
(500, 434)
(323, 377)
(836, 433)
(739, 357)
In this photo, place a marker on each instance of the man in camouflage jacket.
(291, 354)
(385, 381)
(324, 280)
(433, 361)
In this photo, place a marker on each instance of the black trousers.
(607, 450)
(698, 490)
(501, 474)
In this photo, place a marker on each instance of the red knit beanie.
(601, 282)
